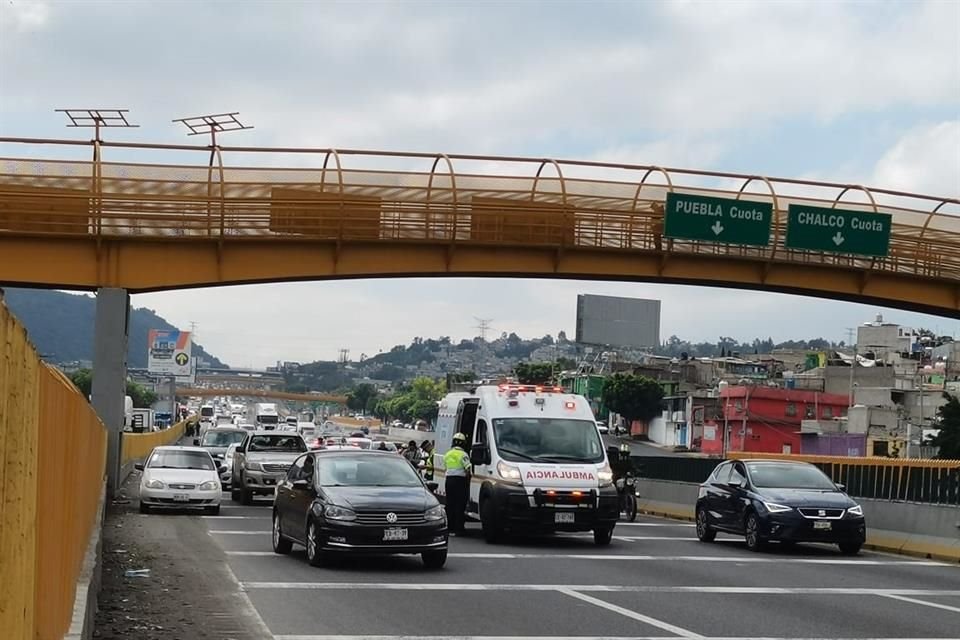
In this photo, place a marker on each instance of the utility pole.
(853, 365)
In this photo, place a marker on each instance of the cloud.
(925, 159)
(20, 16)
(697, 84)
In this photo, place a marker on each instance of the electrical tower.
(483, 324)
(344, 357)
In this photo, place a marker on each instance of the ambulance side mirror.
(480, 454)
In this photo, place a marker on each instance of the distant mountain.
(61, 326)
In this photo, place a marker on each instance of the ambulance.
(539, 463)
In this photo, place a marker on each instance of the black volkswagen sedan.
(779, 500)
(358, 501)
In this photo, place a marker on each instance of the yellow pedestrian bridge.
(158, 217)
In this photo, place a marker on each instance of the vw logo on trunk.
(391, 517)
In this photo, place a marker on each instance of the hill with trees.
(60, 325)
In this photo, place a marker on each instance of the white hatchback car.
(180, 477)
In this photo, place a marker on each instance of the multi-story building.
(767, 419)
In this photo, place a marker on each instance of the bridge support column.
(109, 385)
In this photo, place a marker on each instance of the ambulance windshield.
(555, 440)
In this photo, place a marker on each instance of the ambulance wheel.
(602, 537)
(488, 522)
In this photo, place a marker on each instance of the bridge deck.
(101, 222)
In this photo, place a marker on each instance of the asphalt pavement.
(654, 581)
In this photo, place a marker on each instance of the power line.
(483, 324)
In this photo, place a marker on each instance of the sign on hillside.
(169, 352)
(838, 230)
(690, 217)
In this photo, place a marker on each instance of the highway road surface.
(654, 581)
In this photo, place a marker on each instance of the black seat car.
(779, 500)
(361, 502)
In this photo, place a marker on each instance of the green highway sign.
(690, 217)
(838, 230)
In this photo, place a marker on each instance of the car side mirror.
(138, 466)
(301, 484)
(737, 484)
(433, 486)
(480, 454)
(841, 486)
(196, 442)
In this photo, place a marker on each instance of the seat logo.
(391, 517)
(821, 513)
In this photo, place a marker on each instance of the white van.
(539, 463)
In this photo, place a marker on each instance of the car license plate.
(563, 517)
(392, 535)
(181, 497)
(822, 524)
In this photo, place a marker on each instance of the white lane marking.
(251, 611)
(633, 615)
(448, 637)
(595, 556)
(238, 533)
(635, 538)
(655, 524)
(235, 517)
(936, 605)
(440, 586)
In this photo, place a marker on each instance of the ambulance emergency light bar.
(528, 388)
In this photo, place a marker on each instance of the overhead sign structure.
(695, 217)
(169, 352)
(838, 230)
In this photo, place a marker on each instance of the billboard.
(169, 352)
(618, 322)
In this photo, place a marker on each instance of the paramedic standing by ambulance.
(457, 464)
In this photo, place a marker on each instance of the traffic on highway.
(341, 540)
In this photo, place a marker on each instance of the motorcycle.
(627, 492)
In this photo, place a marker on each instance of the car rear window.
(279, 442)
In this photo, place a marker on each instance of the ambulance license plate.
(181, 497)
(393, 535)
(563, 517)
(822, 524)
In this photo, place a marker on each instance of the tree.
(142, 397)
(633, 397)
(360, 397)
(534, 372)
(948, 421)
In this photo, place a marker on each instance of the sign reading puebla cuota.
(726, 220)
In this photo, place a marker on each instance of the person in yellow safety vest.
(457, 464)
(428, 464)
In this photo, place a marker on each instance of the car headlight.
(335, 512)
(605, 476)
(154, 484)
(856, 510)
(209, 485)
(773, 507)
(435, 513)
(508, 471)
(253, 466)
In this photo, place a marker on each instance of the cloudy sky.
(865, 92)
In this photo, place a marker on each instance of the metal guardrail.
(925, 481)
(494, 200)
